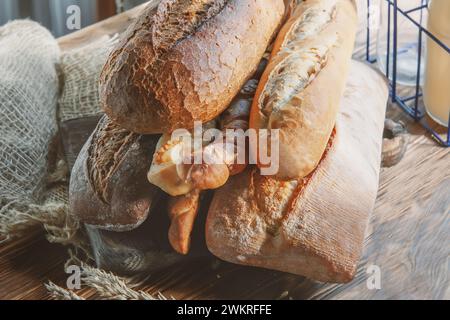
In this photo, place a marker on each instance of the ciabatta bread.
(314, 226)
(185, 61)
(301, 89)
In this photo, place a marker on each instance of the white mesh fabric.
(28, 99)
(33, 191)
(81, 69)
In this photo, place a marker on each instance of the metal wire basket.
(412, 105)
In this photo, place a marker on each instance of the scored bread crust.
(108, 185)
(313, 227)
(184, 61)
(300, 91)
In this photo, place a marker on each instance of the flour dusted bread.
(301, 89)
(313, 226)
(184, 61)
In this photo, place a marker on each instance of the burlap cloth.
(40, 88)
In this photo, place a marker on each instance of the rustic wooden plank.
(409, 233)
(26, 264)
(408, 236)
(407, 239)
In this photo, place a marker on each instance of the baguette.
(300, 91)
(185, 61)
(314, 226)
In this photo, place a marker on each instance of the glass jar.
(407, 41)
(436, 89)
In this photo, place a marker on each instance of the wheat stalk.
(112, 287)
(59, 293)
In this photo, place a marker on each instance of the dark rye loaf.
(109, 189)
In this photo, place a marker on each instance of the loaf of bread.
(108, 187)
(301, 89)
(184, 61)
(313, 226)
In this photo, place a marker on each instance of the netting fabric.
(28, 102)
(81, 69)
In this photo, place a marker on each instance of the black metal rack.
(411, 104)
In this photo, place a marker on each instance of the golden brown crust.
(183, 211)
(300, 91)
(313, 227)
(185, 61)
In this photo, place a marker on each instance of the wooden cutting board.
(407, 242)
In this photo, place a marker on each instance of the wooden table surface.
(408, 236)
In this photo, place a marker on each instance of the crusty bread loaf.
(300, 91)
(185, 61)
(108, 186)
(314, 226)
